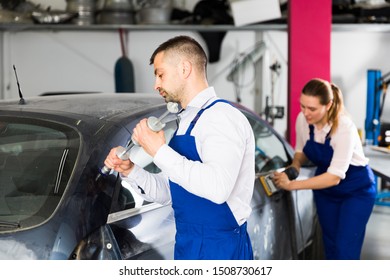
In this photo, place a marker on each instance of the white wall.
(84, 61)
(353, 54)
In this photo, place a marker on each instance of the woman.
(343, 185)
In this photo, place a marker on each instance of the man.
(207, 168)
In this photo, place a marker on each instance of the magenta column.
(309, 35)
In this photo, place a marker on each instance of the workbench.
(380, 165)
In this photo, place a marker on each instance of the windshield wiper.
(5, 224)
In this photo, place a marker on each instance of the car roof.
(97, 105)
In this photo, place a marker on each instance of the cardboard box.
(253, 11)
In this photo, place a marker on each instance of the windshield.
(36, 158)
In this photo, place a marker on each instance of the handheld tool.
(154, 124)
(268, 183)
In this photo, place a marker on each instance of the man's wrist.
(125, 173)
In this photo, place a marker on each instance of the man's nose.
(156, 85)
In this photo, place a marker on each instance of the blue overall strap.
(311, 127)
(193, 122)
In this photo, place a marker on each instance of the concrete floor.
(376, 245)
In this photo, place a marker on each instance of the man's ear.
(186, 68)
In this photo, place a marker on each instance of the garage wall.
(84, 60)
(353, 53)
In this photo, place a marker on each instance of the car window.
(35, 162)
(270, 151)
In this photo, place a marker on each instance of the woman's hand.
(281, 181)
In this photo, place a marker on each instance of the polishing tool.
(268, 183)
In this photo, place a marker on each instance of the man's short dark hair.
(185, 46)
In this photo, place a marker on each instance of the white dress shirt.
(225, 143)
(345, 141)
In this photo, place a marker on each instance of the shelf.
(18, 27)
(337, 27)
(361, 27)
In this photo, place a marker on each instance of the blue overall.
(343, 210)
(204, 230)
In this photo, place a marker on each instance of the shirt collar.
(202, 98)
(326, 128)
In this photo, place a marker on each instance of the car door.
(270, 224)
(142, 229)
(283, 225)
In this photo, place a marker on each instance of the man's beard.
(170, 97)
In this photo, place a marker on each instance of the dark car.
(54, 204)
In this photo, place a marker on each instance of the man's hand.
(148, 139)
(112, 161)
